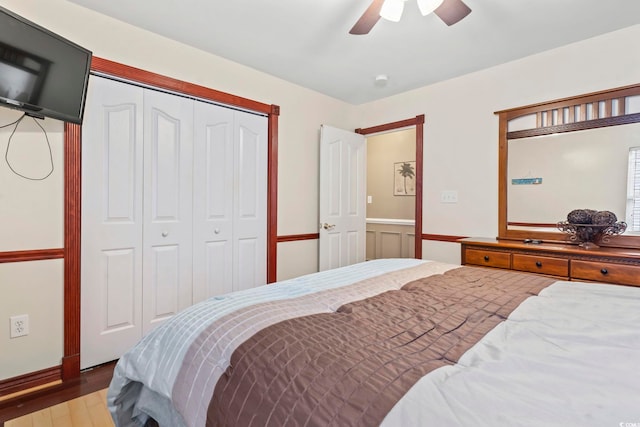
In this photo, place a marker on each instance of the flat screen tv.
(41, 73)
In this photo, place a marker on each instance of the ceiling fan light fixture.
(428, 6)
(391, 10)
(449, 11)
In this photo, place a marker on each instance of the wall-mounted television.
(41, 73)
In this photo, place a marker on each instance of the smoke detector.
(381, 80)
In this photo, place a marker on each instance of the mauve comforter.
(391, 342)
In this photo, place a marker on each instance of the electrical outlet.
(19, 325)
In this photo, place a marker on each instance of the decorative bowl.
(589, 236)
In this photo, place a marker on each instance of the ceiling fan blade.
(368, 18)
(452, 11)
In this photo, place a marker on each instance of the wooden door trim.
(72, 192)
(72, 204)
(121, 71)
(272, 196)
(418, 122)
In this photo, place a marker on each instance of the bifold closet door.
(174, 207)
(250, 201)
(112, 176)
(167, 206)
(213, 183)
(230, 207)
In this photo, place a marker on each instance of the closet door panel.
(213, 186)
(165, 281)
(250, 204)
(111, 277)
(167, 252)
(248, 251)
(120, 268)
(165, 167)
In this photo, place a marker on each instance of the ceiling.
(307, 42)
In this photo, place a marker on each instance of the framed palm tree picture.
(404, 178)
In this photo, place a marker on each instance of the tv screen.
(41, 73)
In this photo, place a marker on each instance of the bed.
(394, 342)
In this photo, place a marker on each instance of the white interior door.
(342, 198)
(168, 212)
(111, 278)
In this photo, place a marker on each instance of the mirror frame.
(559, 116)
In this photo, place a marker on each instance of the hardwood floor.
(86, 411)
(63, 397)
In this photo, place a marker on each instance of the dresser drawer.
(606, 272)
(551, 266)
(488, 258)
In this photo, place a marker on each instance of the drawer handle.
(486, 257)
(538, 264)
(604, 271)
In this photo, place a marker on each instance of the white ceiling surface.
(307, 41)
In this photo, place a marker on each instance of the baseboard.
(30, 380)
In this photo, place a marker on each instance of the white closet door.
(213, 174)
(230, 200)
(111, 277)
(167, 251)
(250, 204)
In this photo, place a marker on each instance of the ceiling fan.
(450, 11)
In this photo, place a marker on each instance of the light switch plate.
(449, 196)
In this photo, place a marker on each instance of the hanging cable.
(6, 154)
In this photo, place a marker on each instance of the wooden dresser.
(569, 262)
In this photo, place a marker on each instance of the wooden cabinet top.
(556, 248)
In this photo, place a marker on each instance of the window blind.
(633, 190)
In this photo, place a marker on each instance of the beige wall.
(31, 217)
(460, 149)
(302, 110)
(33, 288)
(461, 131)
(382, 152)
(32, 213)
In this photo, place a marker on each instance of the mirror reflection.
(551, 175)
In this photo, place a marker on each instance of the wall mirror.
(574, 153)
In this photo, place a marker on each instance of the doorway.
(417, 124)
(391, 194)
(358, 198)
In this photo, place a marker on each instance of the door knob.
(165, 233)
(217, 231)
(328, 226)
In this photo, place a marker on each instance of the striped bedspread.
(389, 342)
(150, 380)
(350, 367)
